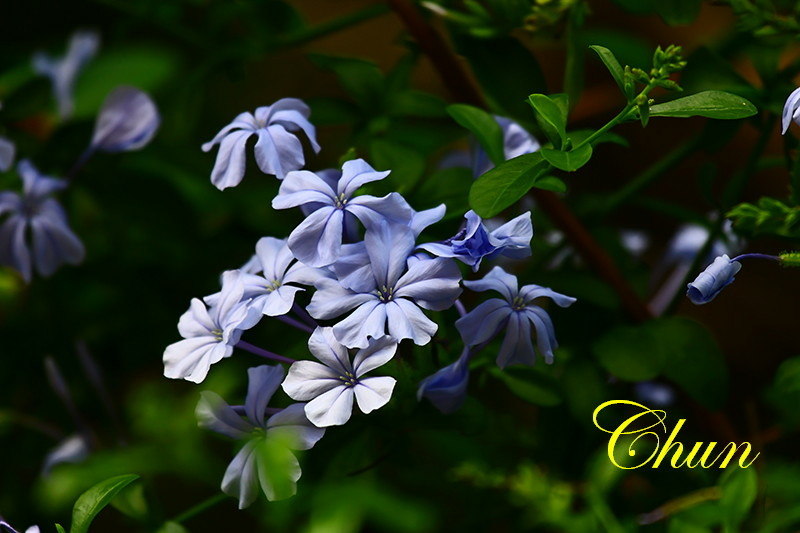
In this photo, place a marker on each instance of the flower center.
(340, 201)
(385, 294)
(272, 285)
(518, 304)
(217, 333)
(349, 379)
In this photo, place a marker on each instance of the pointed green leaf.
(91, 502)
(550, 183)
(610, 61)
(60, 528)
(739, 489)
(711, 104)
(483, 126)
(505, 184)
(568, 161)
(531, 385)
(550, 118)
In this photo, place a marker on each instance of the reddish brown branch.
(462, 89)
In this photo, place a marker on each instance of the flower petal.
(215, 414)
(229, 166)
(374, 393)
(332, 408)
(483, 322)
(262, 383)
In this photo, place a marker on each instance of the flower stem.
(462, 311)
(756, 256)
(303, 315)
(295, 323)
(255, 350)
(200, 507)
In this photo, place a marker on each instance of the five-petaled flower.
(712, 280)
(387, 291)
(35, 212)
(278, 149)
(266, 458)
(317, 241)
(331, 387)
(209, 335)
(516, 312)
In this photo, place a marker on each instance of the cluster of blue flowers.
(34, 229)
(373, 284)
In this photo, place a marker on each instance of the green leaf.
(60, 528)
(91, 502)
(677, 12)
(631, 353)
(407, 164)
(711, 104)
(568, 161)
(610, 61)
(550, 183)
(550, 118)
(695, 361)
(505, 184)
(483, 126)
(172, 527)
(529, 384)
(362, 80)
(739, 489)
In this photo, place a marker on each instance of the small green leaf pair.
(91, 502)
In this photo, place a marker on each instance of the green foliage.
(551, 118)
(739, 489)
(711, 104)
(568, 161)
(483, 126)
(506, 183)
(95, 499)
(614, 68)
(770, 217)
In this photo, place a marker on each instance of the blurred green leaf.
(407, 165)
(91, 502)
(678, 12)
(711, 104)
(632, 353)
(739, 489)
(529, 384)
(550, 183)
(568, 161)
(172, 527)
(483, 126)
(505, 184)
(362, 79)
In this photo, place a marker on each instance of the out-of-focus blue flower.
(655, 394)
(209, 335)
(7, 152)
(73, 449)
(317, 241)
(474, 241)
(331, 387)
(35, 212)
(270, 434)
(447, 388)
(516, 142)
(278, 149)
(63, 72)
(5, 527)
(127, 121)
(515, 313)
(388, 290)
(791, 110)
(712, 280)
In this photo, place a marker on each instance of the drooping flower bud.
(127, 121)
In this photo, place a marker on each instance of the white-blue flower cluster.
(354, 263)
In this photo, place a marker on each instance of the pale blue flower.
(127, 121)
(5, 527)
(712, 280)
(265, 459)
(475, 241)
(278, 149)
(7, 152)
(36, 214)
(388, 290)
(317, 241)
(791, 110)
(654, 394)
(515, 313)
(516, 142)
(63, 72)
(447, 388)
(331, 387)
(209, 334)
(73, 449)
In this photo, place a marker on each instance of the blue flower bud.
(791, 110)
(447, 388)
(712, 280)
(127, 121)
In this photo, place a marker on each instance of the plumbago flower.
(63, 72)
(317, 241)
(127, 121)
(516, 142)
(333, 385)
(474, 242)
(391, 293)
(266, 458)
(277, 151)
(34, 212)
(447, 388)
(209, 334)
(516, 312)
(791, 110)
(712, 280)
(5, 527)
(7, 152)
